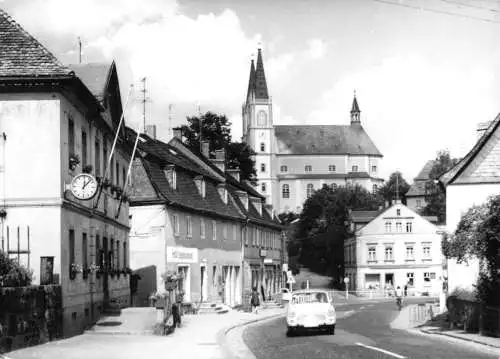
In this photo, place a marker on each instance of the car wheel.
(331, 329)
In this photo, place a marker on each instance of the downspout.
(244, 234)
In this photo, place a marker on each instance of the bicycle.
(399, 303)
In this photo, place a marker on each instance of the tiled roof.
(324, 140)
(260, 85)
(251, 80)
(21, 55)
(423, 175)
(451, 175)
(365, 216)
(355, 106)
(417, 189)
(94, 75)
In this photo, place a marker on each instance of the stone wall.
(29, 316)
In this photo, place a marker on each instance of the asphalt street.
(362, 331)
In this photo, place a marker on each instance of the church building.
(292, 161)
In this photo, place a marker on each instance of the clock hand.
(85, 185)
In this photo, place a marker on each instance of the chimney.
(243, 197)
(235, 173)
(178, 133)
(205, 149)
(257, 203)
(481, 128)
(220, 159)
(151, 131)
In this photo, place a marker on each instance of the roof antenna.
(79, 50)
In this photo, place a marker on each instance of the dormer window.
(171, 175)
(222, 192)
(201, 185)
(308, 168)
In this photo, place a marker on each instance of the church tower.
(355, 112)
(258, 131)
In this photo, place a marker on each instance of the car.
(286, 295)
(310, 309)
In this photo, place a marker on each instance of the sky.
(425, 72)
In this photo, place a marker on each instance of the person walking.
(254, 301)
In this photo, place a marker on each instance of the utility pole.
(79, 50)
(144, 100)
(201, 128)
(170, 120)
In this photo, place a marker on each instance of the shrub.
(13, 274)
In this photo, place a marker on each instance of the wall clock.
(84, 186)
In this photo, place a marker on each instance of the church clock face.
(262, 118)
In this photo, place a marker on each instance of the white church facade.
(292, 161)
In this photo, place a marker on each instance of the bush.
(12, 274)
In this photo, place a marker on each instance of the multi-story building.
(475, 178)
(53, 127)
(393, 247)
(193, 216)
(415, 197)
(294, 160)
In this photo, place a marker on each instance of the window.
(104, 154)
(398, 212)
(284, 168)
(331, 168)
(71, 136)
(310, 190)
(410, 254)
(426, 251)
(262, 118)
(85, 263)
(262, 167)
(214, 230)
(112, 169)
(262, 147)
(427, 278)
(374, 189)
(71, 249)
(263, 187)
(388, 227)
(372, 254)
(399, 228)
(84, 148)
(117, 173)
(388, 254)
(224, 232)
(410, 278)
(124, 177)
(97, 158)
(176, 225)
(374, 169)
(174, 179)
(235, 232)
(308, 168)
(419, 203)
(118, 255)
(189, 226)
(125, 264)
(202, 228)
(285, 191)
(97, 249)
(354, 168)
(111, 254)
(408, 227)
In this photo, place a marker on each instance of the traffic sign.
(291, 280)
(346, 280)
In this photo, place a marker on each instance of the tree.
(435, 195)
(12, 274)
(323, 227)
(216, 129)
(478, 236)
(292, 245)
(388, 190)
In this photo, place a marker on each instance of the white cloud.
(405, 130)
(317, 49)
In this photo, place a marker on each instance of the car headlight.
(330, 313)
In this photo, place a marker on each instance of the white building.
(470, 183)
(294, 160)
(394, 247)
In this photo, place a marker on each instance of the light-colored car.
(310, 309)
(286, 295)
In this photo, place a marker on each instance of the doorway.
(389, 279)
(204, 284)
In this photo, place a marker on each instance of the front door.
(204, 284)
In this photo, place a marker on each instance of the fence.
(422, 313)
(473, 316)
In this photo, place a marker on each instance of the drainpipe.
(244, 237)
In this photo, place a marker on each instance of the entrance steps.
(213, 307)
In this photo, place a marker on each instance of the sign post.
(346, 281)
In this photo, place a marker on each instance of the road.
(362, 331)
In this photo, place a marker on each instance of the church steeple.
(355, 112)
(260, 79)
(251, 81)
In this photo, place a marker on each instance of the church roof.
(95, 76)
(355, 106)
(260, 79)
(423, 175)
(324, 140)
(251, 81)
(23, 56)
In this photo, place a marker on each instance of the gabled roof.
(21, 55)
(260, 79)
(450, 176)
(95, 76)
(423, 175)
(417, 189)
(324, 140)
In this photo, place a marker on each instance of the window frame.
(285, 190)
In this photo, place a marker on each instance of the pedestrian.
(406, 290)
(177, 309)
(254, 301)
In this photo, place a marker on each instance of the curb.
(458, 338)
(143, 333)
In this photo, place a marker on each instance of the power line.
(469, 5)
(437, 11)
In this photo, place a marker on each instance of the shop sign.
(268, 261)
(182, 255)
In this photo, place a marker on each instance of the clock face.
(262, 118)
(84, 186)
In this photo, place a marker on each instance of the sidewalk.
(131, 321)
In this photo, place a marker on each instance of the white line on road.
(381, 350)
(363, 307)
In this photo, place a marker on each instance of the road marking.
(363, 307)
(381, 350)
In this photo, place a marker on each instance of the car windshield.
(310, 297)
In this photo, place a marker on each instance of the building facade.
(415, 197)
(292, 161)
(50, 121)
(475, 178)
(191, 216)
(393, 247)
